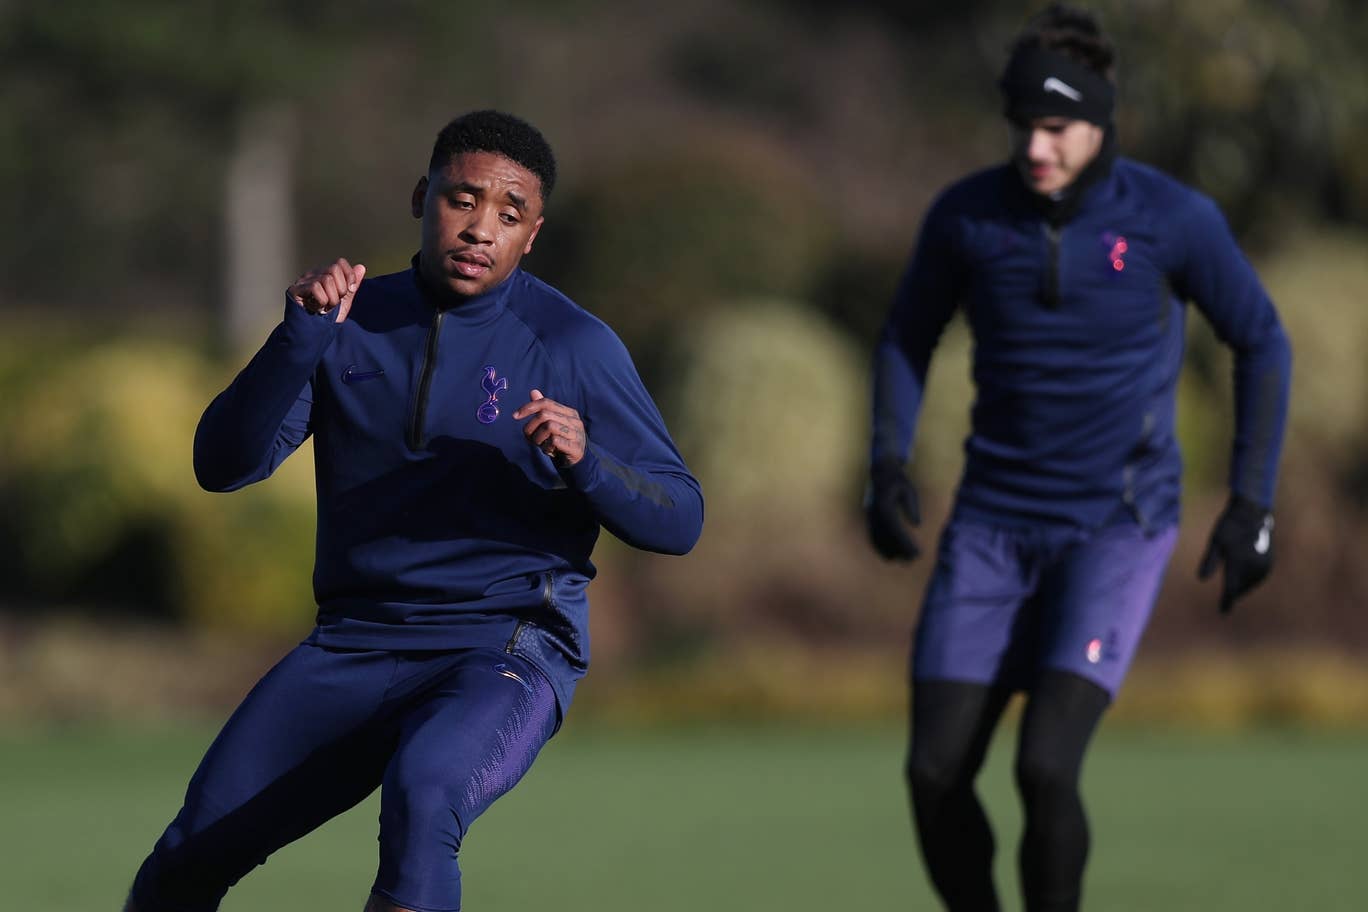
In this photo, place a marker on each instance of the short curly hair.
(1074, 32)
(500, 133)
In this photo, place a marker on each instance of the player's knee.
(1042, 774)
(184, 872)
(929, 774)
(423, 810)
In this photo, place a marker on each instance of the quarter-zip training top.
(1078, 330)
(439, 525)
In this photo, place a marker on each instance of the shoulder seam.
(551, 352)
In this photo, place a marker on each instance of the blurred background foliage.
(741, 182)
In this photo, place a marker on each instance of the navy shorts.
(1005, 603)
(443, 734)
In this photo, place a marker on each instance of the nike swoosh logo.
(1052, 84)
(353, 375)
(1265, 539)
(503, 669)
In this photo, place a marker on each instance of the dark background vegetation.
(740, 184)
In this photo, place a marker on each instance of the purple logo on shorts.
(489, 411)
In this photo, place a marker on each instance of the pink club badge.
(1116, 250)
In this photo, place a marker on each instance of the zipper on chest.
(1051, 290)
(416, 437)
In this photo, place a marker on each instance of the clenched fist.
(328, 288)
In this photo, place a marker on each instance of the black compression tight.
(952, 724)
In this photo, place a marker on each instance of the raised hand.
(328, 288)
(555, 429)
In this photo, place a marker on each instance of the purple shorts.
(1005, 603)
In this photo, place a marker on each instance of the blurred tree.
(1254, 101)
(258, 224)
(661, 241)
(121, 118)
(150, 94)
(129, 121)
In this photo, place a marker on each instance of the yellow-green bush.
(245, 559)
(943, 425)
(1205, 411)
(98, 455)
(1284, 685)
(770, 407)
(1320, 280)
(101, 444)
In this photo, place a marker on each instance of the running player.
(1072, 266)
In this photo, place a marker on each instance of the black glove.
(892, 503)
(1242, 540)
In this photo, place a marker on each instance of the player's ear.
(419, 193)
(536, 226)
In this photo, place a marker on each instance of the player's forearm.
(1263, 379)
(922, 307)
(261, 417)
(656, 510)
(898, 384)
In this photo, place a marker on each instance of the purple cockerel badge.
(489, 411)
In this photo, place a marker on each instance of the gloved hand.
(892, 504)
(1242, 540)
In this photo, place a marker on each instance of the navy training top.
(1078, 336)
(439, 525)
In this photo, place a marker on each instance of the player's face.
(480, 214)
(1050, 152)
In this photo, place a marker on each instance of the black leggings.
(952, 724)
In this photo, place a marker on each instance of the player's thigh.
(1061, 714)
(974, 611)
(1101, 595)
(299, 748)
(467, 742)
(951, 726)
(296, 752)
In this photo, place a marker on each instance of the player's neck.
(1061, 206)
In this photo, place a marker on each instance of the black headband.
(1044, 83)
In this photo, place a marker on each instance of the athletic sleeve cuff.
(584, 475)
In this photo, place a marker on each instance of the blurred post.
(259, 259)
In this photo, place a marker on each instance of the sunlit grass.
(729, 818)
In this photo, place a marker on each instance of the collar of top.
(477, 307)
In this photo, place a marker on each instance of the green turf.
(756, 820)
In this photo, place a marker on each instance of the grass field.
(747, 819)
